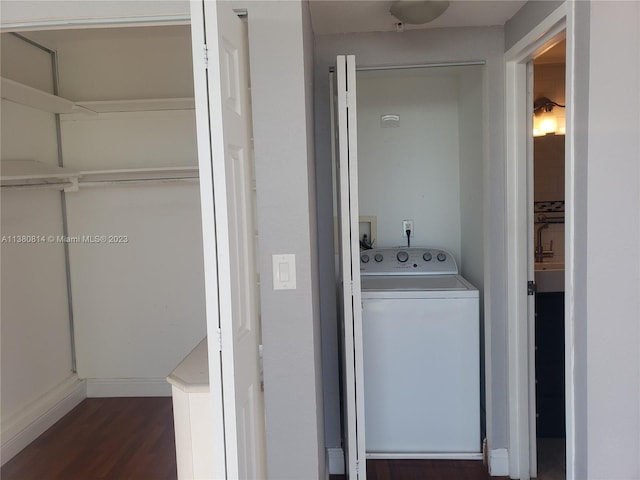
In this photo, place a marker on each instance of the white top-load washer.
(421, 342)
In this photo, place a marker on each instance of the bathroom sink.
(549, 266)
(549, 277)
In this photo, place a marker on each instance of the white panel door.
(225, 156)
(351, 321)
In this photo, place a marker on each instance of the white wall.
(138, 306)
(411, 171)
(309, 64)
(419, 47)
(471, 147)
(122, 140)
(613, 243)
(36, 346)
(281, 53)
(122, 63)
(472, 130)
(36, 352)
(23, 63)
(580, 197)
(526, 18)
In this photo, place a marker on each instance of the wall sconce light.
(547, 119)
(418, 12)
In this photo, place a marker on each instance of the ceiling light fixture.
(546, 119)
(418, 12)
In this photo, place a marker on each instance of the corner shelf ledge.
(32, 97)
(192, 374)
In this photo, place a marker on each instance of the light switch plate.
(284, 271)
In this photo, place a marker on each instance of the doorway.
(548, 383)
(521, 247)
(141, 142)
(420, 144)
(99, 157)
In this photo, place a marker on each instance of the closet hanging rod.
(137, 176)
(421, 65)
(135, 181)
(40, 186)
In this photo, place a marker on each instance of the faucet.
(541, 253)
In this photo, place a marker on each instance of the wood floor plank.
(425, 470)
(103, 439)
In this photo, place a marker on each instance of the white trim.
(517, 241)
(487, 280)
(127, 387)
(531, 299)
(24, 426)
(499, 462)
(77, 23)
(335, 461)
(570, 236)
(538, 40)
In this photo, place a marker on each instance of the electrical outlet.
(407, 225)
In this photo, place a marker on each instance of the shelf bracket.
(73, 187)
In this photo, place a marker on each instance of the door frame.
(518, 214)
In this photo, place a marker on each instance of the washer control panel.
(407, 261)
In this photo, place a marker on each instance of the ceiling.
(346, 16)
(556, 54)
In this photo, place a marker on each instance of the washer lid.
(387, 283)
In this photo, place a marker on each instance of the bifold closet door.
(350, 297)
(225, 156)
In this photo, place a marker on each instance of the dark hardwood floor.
(133, 439)
(103, 438)
(425, 470)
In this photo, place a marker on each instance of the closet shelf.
(31, 174)
(32, 97)
(41, 100)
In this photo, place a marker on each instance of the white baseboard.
(335, 460)
(128, 387)
(499, 462)
(36, 417)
